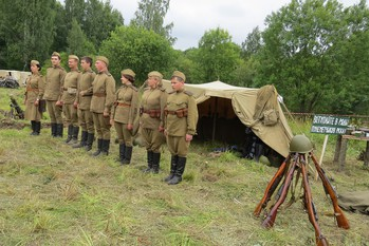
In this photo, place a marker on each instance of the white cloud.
(192, 18)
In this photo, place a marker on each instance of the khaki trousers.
(102, 126)
(123, 134)
(70, 114)
(153, 139)
(178, 145)
(85, 120)
(55, 112)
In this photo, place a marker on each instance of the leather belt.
(99, 94)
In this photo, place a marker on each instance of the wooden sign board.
(327, 124)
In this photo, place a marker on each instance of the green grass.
(51, 194)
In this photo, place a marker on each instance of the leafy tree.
(218, 56)
(298, 56)
(252, 44)
(26, 30)
(100, 20)
(150, 15)
(77, 41)
(138, 49)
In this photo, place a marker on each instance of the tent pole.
(214, 120)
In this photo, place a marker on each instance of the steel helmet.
(301, 144)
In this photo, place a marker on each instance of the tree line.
(314, 51)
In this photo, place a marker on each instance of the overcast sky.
(192, 18)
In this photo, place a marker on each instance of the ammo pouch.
(270, 117)
(72, 91)
(182, 113)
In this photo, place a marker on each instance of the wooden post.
(322, 154)
(337, 149)
(366, 155)
(342, 154)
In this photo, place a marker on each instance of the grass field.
(51, 194)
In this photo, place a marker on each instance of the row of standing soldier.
(89, 101)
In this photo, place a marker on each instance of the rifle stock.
(272, 186)
(319, 238)
(269, 221)
(342, 221)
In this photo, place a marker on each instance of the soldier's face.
(124, 80)
(72, 63)
(152, 81)
(100, 66)
(55, 60)
(84, 65)
(176, 85)
(34, 68)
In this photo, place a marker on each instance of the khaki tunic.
(152, 117)
(125, 104)
(103, 88)
(70, 87)
(178, 127)
(84, 84)
(53, 92)
(54, 83)
(124, 112)
(69, 96)
(85, 119)
(34, 90)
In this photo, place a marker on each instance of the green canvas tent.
(226, 110)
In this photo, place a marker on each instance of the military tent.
(226, 110)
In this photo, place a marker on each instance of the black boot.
(90, 140)
(75, 131)
(127, 155)
(149, 162)
(53, 129)
(155, 162)
(99, 147)
(37, 128)
(173, 166)
(83, 142)
(177, 178)
(59, 130)
(33, 128)
(70, 132)
(105, 147)
(122, 153)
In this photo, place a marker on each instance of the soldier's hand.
(129, 127)
(165, 132)
(106, 114)
(59, 103)
(161, 129)
(75, 104)
(36, 102)
(82, 93)
(189, 138)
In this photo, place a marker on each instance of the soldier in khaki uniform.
(152, 120)
(83, 102)
(68, 98)
(103, 88)
(34, 93)
(124, 113)
(180, 126)
(53, 92)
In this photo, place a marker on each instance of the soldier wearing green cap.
(68, 98)
(123, 114)
(33, 95)
(180, 126)
(152, 119)
(53, 93)
(83, 102)
(103, 89)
